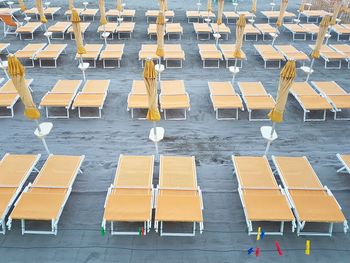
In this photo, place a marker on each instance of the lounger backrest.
(227, 47)
(7, 19)
(252, 89)
(221, 88)
(254, 172)
(8, 87)
(287, 49)
(148, 47)
(297, 173)
(344, 48)
(96, 86)
(58, 171)
(55, 47)
(93, 47)
(172, 87)
(66, 86)
(303, 89)
(14, 168)
(33, 47)
(207, 47)
(329, 88)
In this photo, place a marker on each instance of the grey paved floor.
(211, 141)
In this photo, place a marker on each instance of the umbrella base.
(158, 135)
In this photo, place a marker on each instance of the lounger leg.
(23, 226)
(282, 227)
(341, 169)
(330, 229)
(3, 229)
(194, 229)
(161, 228)
(164, 114)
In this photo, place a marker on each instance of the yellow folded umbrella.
(220, 11)
(101, 6)
(17, 74)
(120, 5)
(323, 27)
(75, 19)
(165, 5)
(283, 8)
(209, 6)
(337, 6)
(160, 34)
(39, 7)
(302, 7)
(70, 4)
(22, 5)
(254, 6)
(150, 79)
(240, 25)
(287, 77)
(162, 5)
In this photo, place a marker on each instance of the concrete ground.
(212, 142)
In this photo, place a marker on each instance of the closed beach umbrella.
(39, 7)
(77, 33)
(160, 34)
(101, 5)
(70, 4)
(287, 77)
(22, 5)
(254, 6)
(302, 7)
(165, 5)
(283, 8)
(17, 74)
(209, 6)
(320, 36)
(240, 25)
(162, 5)
(220, 10)
(336, 10)
(120, 5)
(150, 79)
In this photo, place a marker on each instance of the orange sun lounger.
(14, 171)
(61, 96)
(29, 52)
(224, 97)
(291, 53)
(329, 56)
(59, 28)
(345, 160)
(173, 96)
(209, 52)
(131, 196)
(335, 95)
(28, 28)
(343, 49)
(49, 53)
(9, 96)
(137, 98)
(255, 98)
(92, 96)
(310, 200)
(263, 200)
(112, 52)
(178, 197)
(126, 13)
(310, 100)
(46, 197)
(228, 51)
(270, 55)
(202, 29)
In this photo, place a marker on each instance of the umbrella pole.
(104, 34)
(156, 139)
(270, 141)
(234, 72)
(82, 66)
(43, 138)
(310, 69)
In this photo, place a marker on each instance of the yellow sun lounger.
(310, 100)
(222, 29)
(298, 32)
(148, 51)
(273, 15)
(173, 96)
(224, 97)
(125, 28)
(152, 30)
(202, 29)
(48, 11)
(174, 53)
(252, 32)
(256, 98)
(291, 53)
(14, 171)
(228, 51)
(112, 52)
(29, 52)
(178, 197)
(270, 55)
(61, 96)
(173, 29)
(50, 53)
(46, 197)
(110, 27)
(9, 96)
(209, 52)
(311, 201)
(205, 14)
(4, 46)
(152, 14)
(83, 25)
(131, 196)
(137, 98)
(263, 200)
(335, 95)
(126, 13)
(345, 160)
(313, 16)
(331, 56)
(343, 49)
(193, 16)
(92, 96)
(266, 30)
(59, 28)
(89, 12)
(28, 29)
(311, 29)
(92, 53)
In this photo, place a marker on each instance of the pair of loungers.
(48, 11)
(196, 16)
(152, 15)
(173, 96)
(172, 52)
(61, 28)
(42, 200)
(332, 57)
(83, 12)
(300, 31)
(273, 15)
(313, 16)
(342, 31)
(302, 200)
(125, 14)
(232, 17)
(42, 52)
(170, 30)
(132, 197)
(65, 95)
